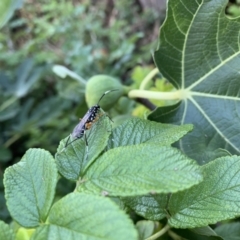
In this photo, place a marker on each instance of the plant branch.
(148, 78)
(7, 103)
(13, 139)
(146, 103)
(160, 233)
(176, 95)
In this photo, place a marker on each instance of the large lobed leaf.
(199, 54)
(30, 187)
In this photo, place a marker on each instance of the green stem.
(174, 235)
(13, 139)
(176, 95)
(160, 233)
(148, 78)
(7, 103)
(65, 71)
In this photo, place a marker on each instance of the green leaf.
(80, 216)
(45, 111)
(24, 233)
(206, 231)
(27, 75)
(140, 169)
(189, 234)
(229, 231)
(7, 8)
(74, 159)
(208, 155)
(152, 207)
(63, 72)
(136, 130)
(9, 107)
(70, 89)
(30, 187)
(6, 232)
(36, 114)
(213, 200)
(199, 58)
(145, 228)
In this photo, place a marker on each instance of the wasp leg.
(109, 118)
(85, 137)
(66, 144)
(71, 141)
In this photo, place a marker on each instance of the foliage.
(96, 176)
(178, 178)
(37, 108)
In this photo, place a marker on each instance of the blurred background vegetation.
(37, 107)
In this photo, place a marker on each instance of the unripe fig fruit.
(97, 86)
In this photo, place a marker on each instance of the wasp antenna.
(105, 94)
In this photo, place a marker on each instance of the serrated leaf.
(136, 130)
(6, 232)
(199, 58)
(80, 216)
(152, 207)
(140, 169)
(30, 187)
(213, 200)
(119, 201)
(74, 159)
(229, 231)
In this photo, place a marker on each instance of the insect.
(87, 121)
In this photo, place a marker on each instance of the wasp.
(87, 121)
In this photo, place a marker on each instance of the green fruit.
(97, 86)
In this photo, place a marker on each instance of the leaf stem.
(13, 139)
(148, 78)
(176, 95)
(7, 103)
(174, 235)
(62, 72)
(160, 233)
